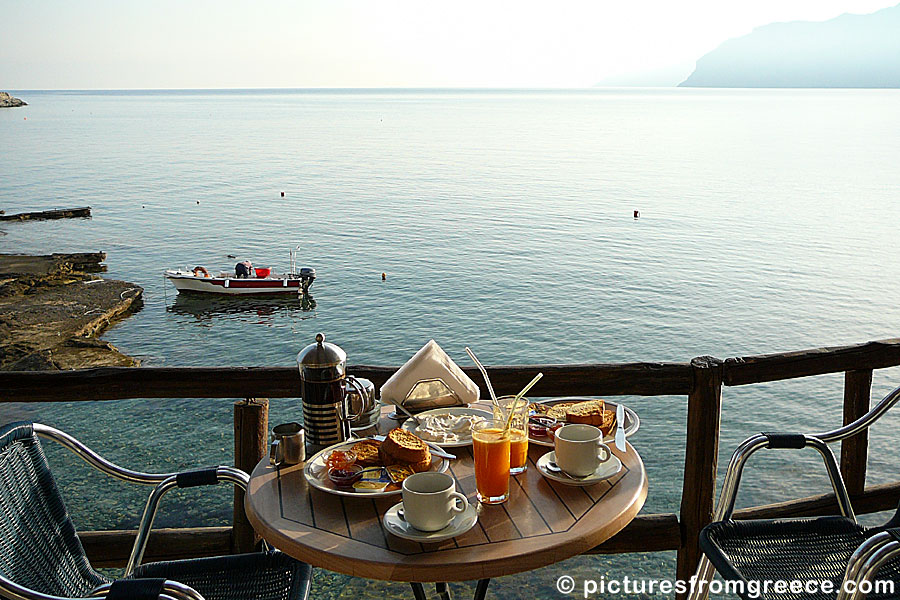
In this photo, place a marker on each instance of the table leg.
(418, 590)
(443, 590)
(481, 589)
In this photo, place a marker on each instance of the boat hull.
(234, 286)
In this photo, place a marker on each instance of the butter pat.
(373, 480)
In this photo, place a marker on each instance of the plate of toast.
(590, 411)
(371, 468)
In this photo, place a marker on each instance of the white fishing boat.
(252, 281)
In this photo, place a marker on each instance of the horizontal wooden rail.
(646, 533)
(642, 379)
(818, 361)
(117, 383)
(112, 548)
(875, 499)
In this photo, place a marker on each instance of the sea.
(503, 220)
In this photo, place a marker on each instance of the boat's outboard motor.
(307, 276)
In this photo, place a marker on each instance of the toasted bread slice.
(605, 420)
(388, 458)
(367, 453)
(558, 411)
(589, 413)
(406, 447)
(609, 422)
(422, 465)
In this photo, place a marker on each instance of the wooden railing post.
(251, 431)
(700, 458)
(855, 450)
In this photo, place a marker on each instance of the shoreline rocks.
(7, 101)
(52, 309)
(44, 215)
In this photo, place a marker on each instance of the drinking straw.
(486, 378)
(515, 402)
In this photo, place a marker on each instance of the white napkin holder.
(430, 393)
(430, 379)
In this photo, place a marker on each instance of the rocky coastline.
(52, 308)
(7, 101)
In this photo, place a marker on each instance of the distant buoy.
(384, 276)
(282, 194)
(637, 214)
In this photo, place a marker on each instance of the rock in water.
(51, 312)
(7, 101)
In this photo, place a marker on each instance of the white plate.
(606, 470)
(461, 523)
(317, 475)
(632, 422)
(410, 425)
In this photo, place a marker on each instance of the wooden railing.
(700, 380)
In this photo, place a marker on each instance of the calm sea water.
(503, 220)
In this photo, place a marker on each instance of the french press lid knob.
(321, 354)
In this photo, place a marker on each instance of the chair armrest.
(864, 563)
(163, 482)
(162, 589)
(193, 478)
(864, 422)
(95, 460)
(183, 479)
(145, 589)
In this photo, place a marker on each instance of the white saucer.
(461, 523)
(606, 470)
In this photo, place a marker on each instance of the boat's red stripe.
(257, 283)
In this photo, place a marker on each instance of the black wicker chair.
(41, 557)
(838, 551)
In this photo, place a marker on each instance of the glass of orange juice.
(490, 445)
(518, 430)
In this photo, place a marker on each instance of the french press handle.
(362, 396)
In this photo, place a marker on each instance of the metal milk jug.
(326, 406)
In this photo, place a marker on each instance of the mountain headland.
(849, 51)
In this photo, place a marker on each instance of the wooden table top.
(542, 523)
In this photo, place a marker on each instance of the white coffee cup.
(430, 501)
(580, 449)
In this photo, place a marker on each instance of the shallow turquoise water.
(503, 220)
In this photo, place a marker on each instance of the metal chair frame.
(162, 482)
(869, 557)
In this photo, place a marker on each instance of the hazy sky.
(99, 44)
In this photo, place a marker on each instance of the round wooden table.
(542, 523)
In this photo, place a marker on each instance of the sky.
(175, 44)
